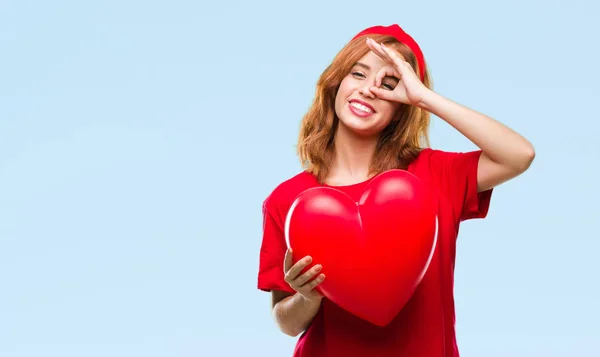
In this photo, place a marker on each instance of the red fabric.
(397, 32)
(425, 327)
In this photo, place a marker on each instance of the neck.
(352, 157)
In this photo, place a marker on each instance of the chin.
(360, 130)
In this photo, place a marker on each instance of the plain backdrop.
(138, 140)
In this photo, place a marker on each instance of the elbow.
(527, 157)
(285, 325)
(519, 162)
(290, 332)
(520, 159)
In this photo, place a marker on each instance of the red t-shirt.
(425, 326)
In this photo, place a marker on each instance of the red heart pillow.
(374, 252)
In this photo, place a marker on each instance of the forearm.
(294, 313)
(500, 143)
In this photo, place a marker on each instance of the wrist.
(428, 100)
(310, 301)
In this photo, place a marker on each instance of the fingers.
(389, 55)
(302, 282)
(312, 284)
(308, 289)
(383, 93)
(400, 62)
(293, 272)
(287, 261)
(385, 72)
(376, 47)
(385, 53)
(302, 279)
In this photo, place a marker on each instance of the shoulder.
(429, 153)
(446, 168)
(453, 174)
(438, 159)
(424, 159)
(284, 194)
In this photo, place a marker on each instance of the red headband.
(402, 37)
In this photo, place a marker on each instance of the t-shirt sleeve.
(457, 175)
(273, 248)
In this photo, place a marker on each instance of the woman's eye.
(387, 86)
(358, 74)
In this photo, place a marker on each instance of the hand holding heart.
(302, 283)
(410, 89)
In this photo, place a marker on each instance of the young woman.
(371, 114)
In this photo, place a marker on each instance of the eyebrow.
(360, 64)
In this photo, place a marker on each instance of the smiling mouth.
(361, 109)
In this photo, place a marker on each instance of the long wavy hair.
(399, 143)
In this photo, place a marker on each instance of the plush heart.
(373, 252)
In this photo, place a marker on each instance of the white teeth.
(361, 107)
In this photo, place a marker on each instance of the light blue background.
(138, 140)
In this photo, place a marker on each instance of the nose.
(365, 91)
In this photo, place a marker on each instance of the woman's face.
(356, 106)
